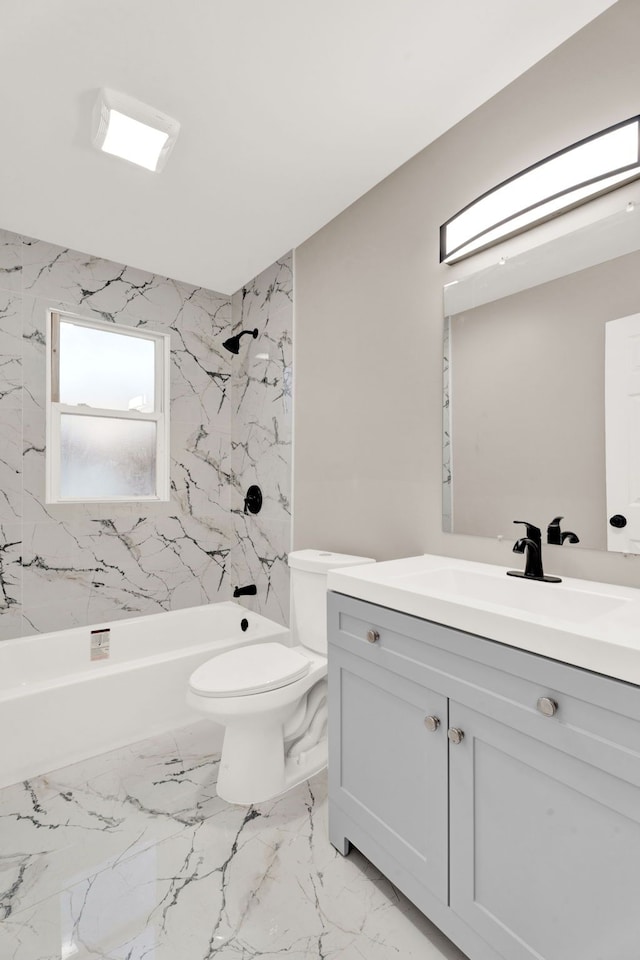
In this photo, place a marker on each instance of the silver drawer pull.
(432, 723)
(373, 636)
(547, 706)
(455, 735)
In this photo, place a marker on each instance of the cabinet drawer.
(378, 635)
(596, 719)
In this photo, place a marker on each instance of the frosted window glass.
(106, 457)
(108, 370)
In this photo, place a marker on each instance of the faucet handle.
(556, 536)
(533, 532)
(553, 531)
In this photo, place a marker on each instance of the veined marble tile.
(203, 324)
(177, 758)
(273, 345)
(278, 329)
(200, 388)
(11, 622)
(273, 349)
(263, 400)
(201, 367)
(235, 883)
(261, 437)
(86, 562)
(270, 291)
(126, 566)
(11, 395)
(59, 614)
(34, 506)
(83, 819)
(262, 457)
(260, 556)
(200, 471)
(181, 550)
(109, 289)
(10, 349)
(10, 580)
(10, 261)
(34, 358)
(10, 464)
(56, 556)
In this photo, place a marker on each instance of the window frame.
(55, 410)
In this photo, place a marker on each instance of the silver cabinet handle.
(547, 706)
(373, 636)
(455, 735)
(432, 723)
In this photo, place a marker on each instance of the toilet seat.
(253, 669)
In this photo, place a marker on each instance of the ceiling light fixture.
(127, 128)
(572, 176)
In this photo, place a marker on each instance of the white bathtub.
(57, 706)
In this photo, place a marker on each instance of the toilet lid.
(253, 669)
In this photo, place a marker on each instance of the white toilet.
(272, 698)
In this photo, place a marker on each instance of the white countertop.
(588, 624)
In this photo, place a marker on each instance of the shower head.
(233, 343)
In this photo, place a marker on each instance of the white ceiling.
(290, 110)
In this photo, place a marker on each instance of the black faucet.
(532, 544)
(556, 536)
(248, 591)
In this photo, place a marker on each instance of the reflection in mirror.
(524, 386)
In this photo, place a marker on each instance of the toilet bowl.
(272, 698)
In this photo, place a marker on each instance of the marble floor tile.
(70, 821)
(179, 875)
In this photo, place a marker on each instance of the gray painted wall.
(368, 313)
(71, 565)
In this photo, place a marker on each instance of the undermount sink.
(554, 600)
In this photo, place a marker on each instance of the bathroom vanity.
(485, 752)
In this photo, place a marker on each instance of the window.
(107, 412)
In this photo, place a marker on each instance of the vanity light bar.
(566, 179)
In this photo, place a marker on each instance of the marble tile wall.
(261, 430)
(71, 565)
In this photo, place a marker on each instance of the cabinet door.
(387, 770)
(545, 848)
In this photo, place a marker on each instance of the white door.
(622, 427)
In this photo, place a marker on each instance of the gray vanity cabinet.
(545, 848)
(519, 834)
(393, 769)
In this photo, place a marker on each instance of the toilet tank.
(309, 569)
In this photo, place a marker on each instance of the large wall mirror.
(525, 419)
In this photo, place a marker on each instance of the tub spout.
(249, 591)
